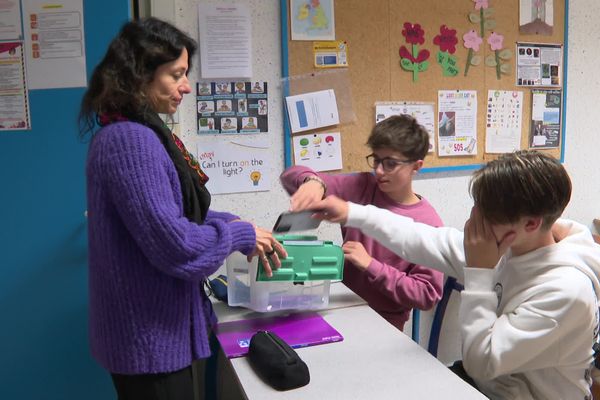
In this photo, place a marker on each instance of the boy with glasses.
(392, 286)
(529, 310)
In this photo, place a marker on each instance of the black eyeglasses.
(388, 163)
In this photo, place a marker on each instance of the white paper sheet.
(312, 110)
(225, 31)
(319, 151)
(457, 122)
(10, 20)
(236, 166)
(504, 120)
(422, 112)
(54, 44)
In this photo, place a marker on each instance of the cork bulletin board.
(373, 32)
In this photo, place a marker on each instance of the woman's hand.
(267, 248)
(307, 194)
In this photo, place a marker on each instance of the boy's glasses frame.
(388, 163)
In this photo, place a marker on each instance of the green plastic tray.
(309, 259)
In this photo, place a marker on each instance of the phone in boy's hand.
(296, 221)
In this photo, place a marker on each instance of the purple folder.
(298, 330)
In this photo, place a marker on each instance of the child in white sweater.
(529, 310)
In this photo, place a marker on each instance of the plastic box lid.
(309, 259)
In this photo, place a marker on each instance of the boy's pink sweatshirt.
(390, 285)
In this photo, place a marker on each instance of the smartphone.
(296, 221)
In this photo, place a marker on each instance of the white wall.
(446, 191)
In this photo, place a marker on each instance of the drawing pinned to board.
(536, 17)
(447, 41)
(414, 60)
(312, 19)
(500, 56)
(472, 39)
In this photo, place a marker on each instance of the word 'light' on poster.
(236, 166)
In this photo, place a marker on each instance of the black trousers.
(178, 385)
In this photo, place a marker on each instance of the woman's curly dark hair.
(117, 84)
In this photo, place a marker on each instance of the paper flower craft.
(495, 40)
(447, 41)
(414, 60)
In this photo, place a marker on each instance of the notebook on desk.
(298, 330)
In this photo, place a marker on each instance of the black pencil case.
(276, 362)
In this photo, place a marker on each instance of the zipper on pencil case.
(289, 356)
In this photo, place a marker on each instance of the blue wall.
(44, 352)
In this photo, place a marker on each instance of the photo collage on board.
(232, 107)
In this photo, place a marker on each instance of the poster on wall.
(236, 166)
(539, 64)
(546, 109)
(320, 151)
(10, 20)
(232, 107)
(225, 31)
(536, 17)
(457, 123)
(14, 103)
(422, 112)
(312, 20)
(503, 121)
(54, 44)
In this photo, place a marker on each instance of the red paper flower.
(447, 39)
(422, 56)
(413, 33)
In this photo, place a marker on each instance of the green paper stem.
(469, 58)
(498, 72)
(481, 22)
(415, 53)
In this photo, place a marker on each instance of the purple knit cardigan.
(148, 313)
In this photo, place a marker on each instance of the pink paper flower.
(413, 33)
(479, 4)
(472, 40)
(447, 39)
(495, 41)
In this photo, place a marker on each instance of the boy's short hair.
(525, 183)
(400, 133)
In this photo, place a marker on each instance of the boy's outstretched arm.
(438, 248)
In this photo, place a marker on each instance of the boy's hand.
(307, 194)
(357, 255)
(331, 209)
(482, 249)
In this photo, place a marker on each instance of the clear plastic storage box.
(297, 293)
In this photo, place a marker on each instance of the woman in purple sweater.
(153, 240)
(391, 285)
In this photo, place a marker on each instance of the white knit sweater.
(528, 325)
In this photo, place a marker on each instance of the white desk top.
(374, 361)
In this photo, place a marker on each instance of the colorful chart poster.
(14, 103)
(10, 20)
(424, 113)
(539, 64)
(320, 151)
(312, 20)
(232, 107)
(457, 123)
(546, 109)
(236, 166)
(503, 121)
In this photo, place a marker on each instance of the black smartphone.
(296, 221)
